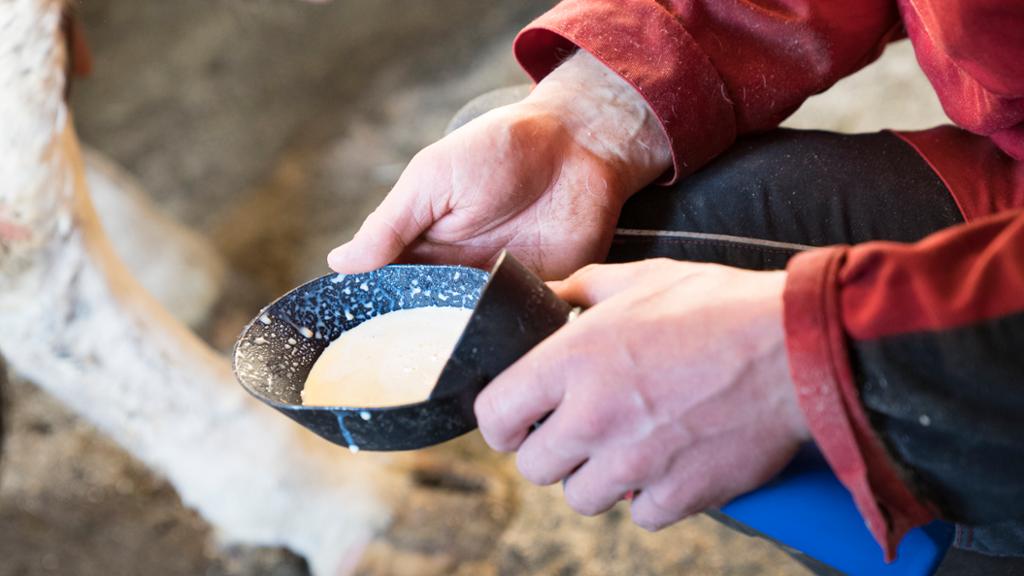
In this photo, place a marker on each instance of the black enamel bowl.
(512, 312)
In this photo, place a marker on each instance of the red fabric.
(957, 277)
(828, 396)
(982, 178)
(715, 69)
(977, 76)
(694, 110)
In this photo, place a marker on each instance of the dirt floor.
(273, 128)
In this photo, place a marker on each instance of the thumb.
(385, 234)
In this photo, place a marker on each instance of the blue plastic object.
(808, 512)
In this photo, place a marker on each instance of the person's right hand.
(544, 178)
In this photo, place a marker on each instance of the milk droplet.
(353, 448)
(260, 340)
(265, 319)
(292, 341)
(365, 415)
(306, 332)
(924, 420)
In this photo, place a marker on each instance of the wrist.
(608, 117)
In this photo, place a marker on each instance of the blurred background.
(270, 129)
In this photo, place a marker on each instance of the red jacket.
(714, 69)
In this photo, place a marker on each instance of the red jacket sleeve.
(712, 70)
(921, 339)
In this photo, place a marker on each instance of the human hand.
(544, 178)
(675, 384)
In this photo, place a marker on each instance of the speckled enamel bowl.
(276, 350)
(513, 311)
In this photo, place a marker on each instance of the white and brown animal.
(75, 321)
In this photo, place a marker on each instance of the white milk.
(391, 359)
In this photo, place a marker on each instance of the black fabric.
(994, 539)
(961, 428)
(962, 562)
(804, 187)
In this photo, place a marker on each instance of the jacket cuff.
(645, 45)
(828, 395)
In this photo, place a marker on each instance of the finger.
(523, 394)
(605, 480)
(399, 220)
(688, 487)
(549, 454)
(598, 282)
(652, 513)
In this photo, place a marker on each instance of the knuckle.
(645, 519)
(483, 408)
(627, 470)
(579, 502)
(659, 503)
(590, 423)
(706, 495)
(650, 513)
(593, 411)
(529, 463)
(673, 507)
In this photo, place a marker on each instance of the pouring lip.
(453, 357)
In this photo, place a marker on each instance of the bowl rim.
(337, 409)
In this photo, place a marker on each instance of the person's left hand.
(674, 384)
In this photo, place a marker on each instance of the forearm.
(608, 117)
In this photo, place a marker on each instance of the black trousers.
(773, 195)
